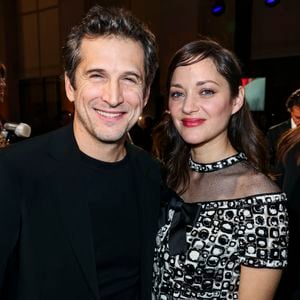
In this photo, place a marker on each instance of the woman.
(225, 235)
(289, 156)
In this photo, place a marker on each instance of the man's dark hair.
(293, 100)
(101, 21)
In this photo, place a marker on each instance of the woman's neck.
(211, 152)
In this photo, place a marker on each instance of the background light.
(271, 3)
(218, 8)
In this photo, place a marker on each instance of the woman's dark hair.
(287, 141)
(242, 132)
(110, 21)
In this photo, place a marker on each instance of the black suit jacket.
(289, 288)
(273, 135)
(46, 247)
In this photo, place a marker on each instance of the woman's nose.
(189, 105)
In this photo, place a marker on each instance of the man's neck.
(100, 150)
(107, 152)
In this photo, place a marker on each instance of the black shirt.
(114, 215)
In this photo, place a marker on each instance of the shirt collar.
(293, 125)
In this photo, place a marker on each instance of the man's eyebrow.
(95, 70)
(127, 73)
(132, 73)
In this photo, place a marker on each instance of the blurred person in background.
(275, 132)
(289, 154)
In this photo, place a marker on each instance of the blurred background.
(264, 34)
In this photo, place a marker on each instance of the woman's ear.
(238, 101)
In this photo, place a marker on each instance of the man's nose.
(112, 93)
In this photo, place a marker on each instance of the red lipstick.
(192, 122)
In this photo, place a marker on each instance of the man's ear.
(70, 92)
(146, 96)
(238, 101)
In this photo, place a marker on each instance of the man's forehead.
(113, 45)
(296, 109)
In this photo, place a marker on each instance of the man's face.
(295, 114)
(109, 93)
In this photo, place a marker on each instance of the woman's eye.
(207, 92)
(176, 94)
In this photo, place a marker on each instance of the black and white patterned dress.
(202, 244)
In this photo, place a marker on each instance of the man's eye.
(95, 75)
(131, 80)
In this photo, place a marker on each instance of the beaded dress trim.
(215, 166)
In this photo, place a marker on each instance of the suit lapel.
(148, 200)
(73, 209)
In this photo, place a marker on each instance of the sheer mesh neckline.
(218, 165)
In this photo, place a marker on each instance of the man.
(79, 207)
(275, 132)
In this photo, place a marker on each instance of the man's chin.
(113, 140)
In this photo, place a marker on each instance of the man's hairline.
(108, 35)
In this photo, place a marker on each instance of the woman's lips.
(192, 122)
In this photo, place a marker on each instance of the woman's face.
(200, 103)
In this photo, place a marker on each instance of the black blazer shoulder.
(43, 144)
(277, 130)
(39, 155)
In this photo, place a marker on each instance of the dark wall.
(267, 41)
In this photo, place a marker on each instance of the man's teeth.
(108, 114)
